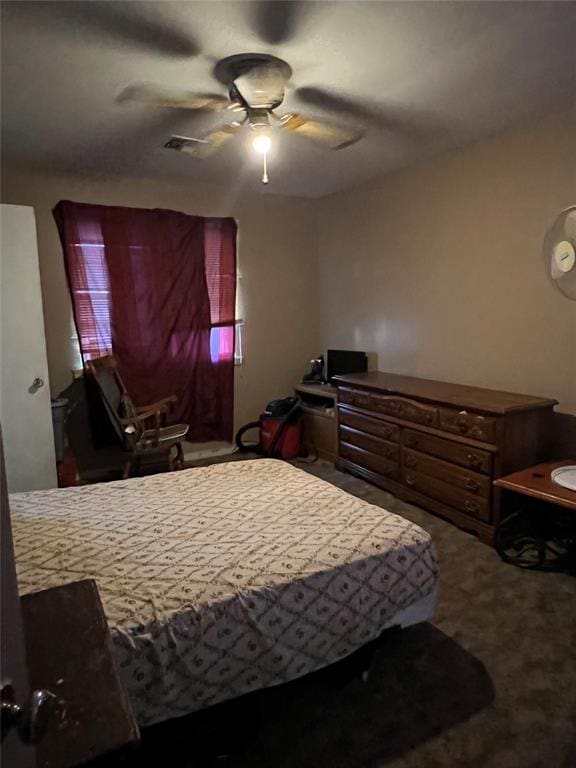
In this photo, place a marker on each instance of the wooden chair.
(141, 429)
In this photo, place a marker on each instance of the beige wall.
(438, 270)
(435, 270)
(276, 261)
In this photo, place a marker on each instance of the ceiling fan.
(256, 86)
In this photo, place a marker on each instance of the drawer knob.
(410, 480)
(462, 423)
(471, 506)
(411, 461)
(473, 485)
(474, 460)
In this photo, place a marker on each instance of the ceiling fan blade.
(157, 96)
(139, 25)
(277, 21)
(322, 131)
(335, 102)
(212, 142)
(393, 117)
(136, 25)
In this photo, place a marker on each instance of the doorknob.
(32, 718)
(36, 384)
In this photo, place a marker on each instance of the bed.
(221, 580)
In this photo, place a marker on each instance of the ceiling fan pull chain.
(265, 174)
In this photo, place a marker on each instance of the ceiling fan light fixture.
(262, 143)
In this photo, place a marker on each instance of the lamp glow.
(262, 144)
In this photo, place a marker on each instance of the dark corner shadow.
(421, 683)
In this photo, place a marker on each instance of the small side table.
(319, 418)
(541, 533)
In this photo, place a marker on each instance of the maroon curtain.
(160, 312)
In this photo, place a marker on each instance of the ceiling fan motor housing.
(256, 80)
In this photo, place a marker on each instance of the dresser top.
(458, 395)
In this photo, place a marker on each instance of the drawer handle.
(471, 506)
(429, 417)
(473, 485)
(462, 423)
(411, 461)
(474, 460)
(410, 480)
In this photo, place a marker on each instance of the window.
(76, 354)
(226, 332)
(227, 341)
(91, 295)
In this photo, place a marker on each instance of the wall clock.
(560, 252)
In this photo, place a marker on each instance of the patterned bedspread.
(224, 579)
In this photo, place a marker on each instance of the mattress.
(221, 580)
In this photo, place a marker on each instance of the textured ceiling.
(417, 77)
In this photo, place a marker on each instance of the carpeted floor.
(490, 683)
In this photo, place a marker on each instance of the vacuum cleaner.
(280, 430)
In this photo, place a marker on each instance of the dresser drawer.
(470, 424)
(466, 480)
(369, 460)
(354, 397)
(382, 429)
(370, 443)
(448, 494)
(403, 408)
(464, 455)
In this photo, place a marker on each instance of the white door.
(25, 409)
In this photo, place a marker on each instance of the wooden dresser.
(439, 445)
